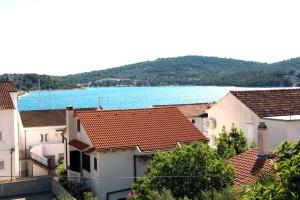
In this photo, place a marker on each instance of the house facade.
(279, 109)
(41, 145)
(9, 122)
(108, 150)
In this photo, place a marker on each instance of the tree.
(187, 172)
(283, 180)
(232, 143)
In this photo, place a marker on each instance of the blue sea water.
(121, 97)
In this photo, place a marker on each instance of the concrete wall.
(31, 186)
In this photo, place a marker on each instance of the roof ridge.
(183, 104)
(265, 89)
(131, 109)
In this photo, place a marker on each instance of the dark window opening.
(95, 163)
(78, 125)
(42, 137)
(46, 137)
(86, 162)
(75, 161)
(193, 121)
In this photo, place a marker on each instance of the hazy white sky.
(70, 36)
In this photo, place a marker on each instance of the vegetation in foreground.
(189, 172)
(283, 180)
(187, 70)
(231, 143)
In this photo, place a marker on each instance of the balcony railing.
(40, 159)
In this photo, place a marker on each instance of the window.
(86, 162)
(0, 136)
(95, 163)
(42, 137)
(2, 164)
(75, 161)
(78, 125)
(193, 121)
(46, 137)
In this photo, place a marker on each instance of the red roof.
(40, 118)
(5, 99)
(149, 129)
(190, 110)
(78, 144)
(267, 103)
(247, 165)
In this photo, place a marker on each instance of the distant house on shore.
(278, 108)
(9, 120)
(108, 149)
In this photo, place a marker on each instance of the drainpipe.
(11, 162)
(66, 150)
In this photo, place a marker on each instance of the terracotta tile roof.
(5, 99)
(247, 165)
(190, 110)
(41, 118)
(78, 144)
(149, 129)
(267, 103)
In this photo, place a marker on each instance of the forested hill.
(187, 70)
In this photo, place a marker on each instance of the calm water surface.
(122, 97)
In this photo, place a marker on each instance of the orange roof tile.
(5, 99)
(149, 129)
(189, 110)
(78, 144)
(247, 165)
(268, 103)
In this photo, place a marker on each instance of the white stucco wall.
(38, 171)
(198, 123)
(32, 136)
(9, 127)
(230, 110)
(116, 169)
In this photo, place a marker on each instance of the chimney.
(263, 141)
(71, 126)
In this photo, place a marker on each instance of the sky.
(59, 37)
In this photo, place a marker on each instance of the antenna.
(99, 103)
(290, 106)
(39, 81)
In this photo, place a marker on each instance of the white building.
(41, 145)
(108, 149)
(279, 109)
(9, 142)
(193, 112)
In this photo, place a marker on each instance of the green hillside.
(187, 70)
